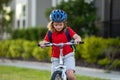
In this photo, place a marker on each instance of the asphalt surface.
(79, 70)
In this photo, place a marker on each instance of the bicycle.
(60, 73)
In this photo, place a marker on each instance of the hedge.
(95, 50)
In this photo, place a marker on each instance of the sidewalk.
(79, 70)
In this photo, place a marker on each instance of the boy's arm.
(77, 38)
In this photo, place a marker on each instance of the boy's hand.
(42, 44)
(77, 41)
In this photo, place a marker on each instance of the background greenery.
(95, 50)
(6, 16)
(81, 16)
(32, 33)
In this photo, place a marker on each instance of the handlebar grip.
(81, 42)
(46, 43)
(38, 45)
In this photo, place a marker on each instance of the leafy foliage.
(5, 15)
(81, 16)
(95, 50)
(32, 34)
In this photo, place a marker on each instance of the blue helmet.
(58, 15)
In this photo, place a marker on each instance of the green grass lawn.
(16, 73)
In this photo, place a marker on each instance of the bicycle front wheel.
(57, 75)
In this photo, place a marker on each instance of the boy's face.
(58, 26)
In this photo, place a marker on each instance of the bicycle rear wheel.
(57, 75)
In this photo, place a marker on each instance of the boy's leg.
(69, 61)
(55, 62)
(70, 75)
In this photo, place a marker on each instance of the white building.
(30, 13)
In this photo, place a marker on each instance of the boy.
(57, 26)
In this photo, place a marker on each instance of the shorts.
(69, 62)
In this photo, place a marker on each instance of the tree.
(5, 15)
(81, 16)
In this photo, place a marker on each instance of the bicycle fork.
(62, 64)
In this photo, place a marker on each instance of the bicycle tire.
(57, 75)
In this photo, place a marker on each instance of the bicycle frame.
(61, 67)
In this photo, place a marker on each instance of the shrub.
(13, 52)
(105, 52)
(4, 46)
(115, 64)
(104, 62)
(96, 48)
(28, 47)
(91, 49)
(41, 54)
(32, 34)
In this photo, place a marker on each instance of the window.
(21, 14)
(88, 1)
(18, 23)
(24, 10)
(55, 2)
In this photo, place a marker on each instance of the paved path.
(79, 70)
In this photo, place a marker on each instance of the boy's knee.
(71, 78)
(70, 75)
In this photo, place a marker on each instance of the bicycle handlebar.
(61, 44)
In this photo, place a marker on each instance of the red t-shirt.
(60, 37)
